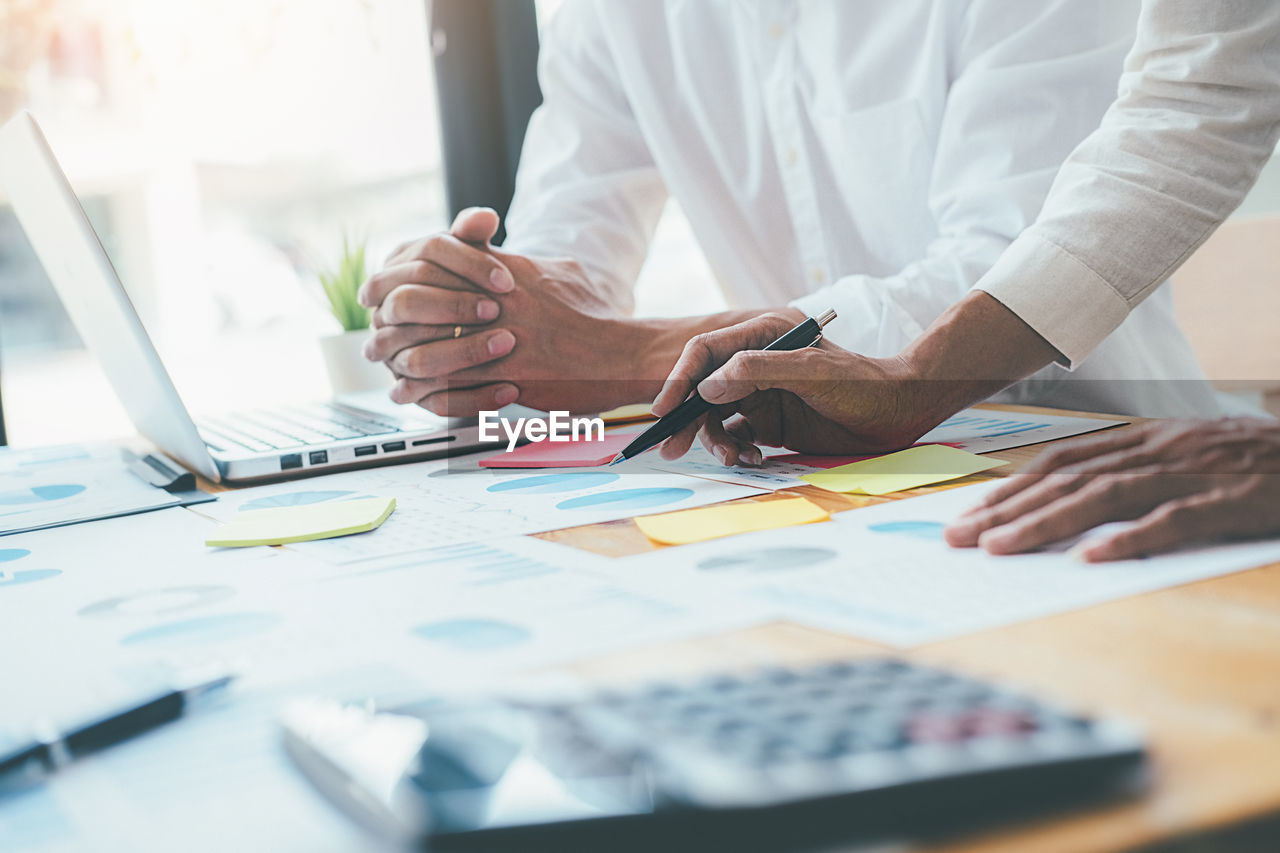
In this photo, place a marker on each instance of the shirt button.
(819, 275)
(792, 156)
(777, 31)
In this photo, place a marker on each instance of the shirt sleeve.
(587, 186)
(1197, 117)
(1031, 81)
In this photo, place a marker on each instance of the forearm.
(975, 349)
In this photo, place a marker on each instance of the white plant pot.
(349, 371)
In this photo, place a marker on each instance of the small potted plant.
(349, 370)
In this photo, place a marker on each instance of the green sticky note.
(906, 469)
(286, 524)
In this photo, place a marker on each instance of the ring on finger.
(457, 332)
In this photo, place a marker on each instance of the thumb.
(476, 225)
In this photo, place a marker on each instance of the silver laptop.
(258, 445)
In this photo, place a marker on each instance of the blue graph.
(172, 599)
(473, 635)
(39, 494)
(8, 555)
(991, 427)
(205, 629)
(296, 499)
(930, 530)
(550, 484)
(627, 499)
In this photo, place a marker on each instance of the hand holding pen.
(822, 400)
(684, 416)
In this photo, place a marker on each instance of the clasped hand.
(466, 327)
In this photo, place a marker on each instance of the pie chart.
(473, 635)
(8, 555)
(550, 484)
(767, 560)
(296, 499)
(222, 628)
(172, 599)
(39, 494)
(929, 530)
(627, 499)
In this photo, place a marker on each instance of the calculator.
(776, 758)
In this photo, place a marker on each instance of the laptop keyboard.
(263, 430)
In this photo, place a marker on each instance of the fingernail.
(486, 309)
(501, 343)
(719, 453)
(711, 388)
(501, 281)
(751, 457)
(506, 395)
(367, 352)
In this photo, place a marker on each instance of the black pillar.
(486, 60)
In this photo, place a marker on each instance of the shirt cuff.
(1055, 293)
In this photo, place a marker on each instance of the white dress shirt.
(874, 157)
(1197, 118)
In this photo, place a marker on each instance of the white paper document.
(974, 430)
(127, 603)
(70, 483)
(884, 573)
(986, 431)
(446, 502)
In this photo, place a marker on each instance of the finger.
(378, 285)
(723, 446)
(741, 430)
(465, 402)
(965, 531)
(423, 305)
(449, 356)
(407, 390)
(1059, 457)
(1181, 522)
(704, 353)
(477, 266)
(386, 341)
(476, 225)
(1115, 497)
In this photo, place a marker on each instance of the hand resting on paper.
(1185, 482)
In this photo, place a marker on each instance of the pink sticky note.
(562, 454)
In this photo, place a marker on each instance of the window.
(222, 149)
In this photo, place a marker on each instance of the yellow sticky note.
(628, 414)
(714, 522)
(286, 524)
(906, 469)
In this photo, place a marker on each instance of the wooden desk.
(1198, 666)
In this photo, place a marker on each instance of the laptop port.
(422, 442)
(290, 461)
(393, 447)
(367, 450)
(319, 457)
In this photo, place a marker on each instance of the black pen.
(50, 749)
(806, 334)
